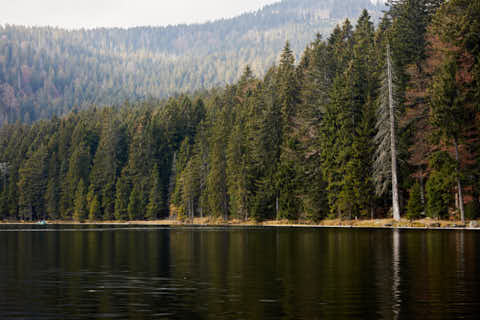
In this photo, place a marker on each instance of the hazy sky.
(120, 13)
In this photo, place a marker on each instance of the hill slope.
(46, 71)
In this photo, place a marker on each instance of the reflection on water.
(112, 272)
(397, 300)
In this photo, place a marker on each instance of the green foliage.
(51, 199)
(94, 211)
(155, 200)
(298, 143)
(438, 196)
(32, 185)
(121, 199)
(3, 205)
(472, 210)
(439, 185)
(414, 206)
(216, 181)
(47, 71)
(463, 32)
(80, 212)
(449, 115)
(135, 206)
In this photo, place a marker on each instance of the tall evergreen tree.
(155, 199)
(122, 197)
(94, 212)
(449, 116)
(80, 211)
(32, 185)
(135, 205)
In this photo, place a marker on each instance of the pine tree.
(155, 200)
(105, 164)
(135, 207)
(414, 207)
(122, 197)
(287, 202)
(439, 185)
(216, 188)
(314, 99)
(52, 194)
(33, 184)
(448, 115)
(331, 144)
(108, 201)
(94, 211)
(410, 20)
(78, 168)
(51, 199)
(237, 175)
(268, 136)
(191, 188)
(3, 203)
(80, 211)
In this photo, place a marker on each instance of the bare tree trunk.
(459, 183)
(393, 144)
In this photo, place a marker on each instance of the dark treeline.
(47, 71)
(311, 140)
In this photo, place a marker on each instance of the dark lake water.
(92, 272)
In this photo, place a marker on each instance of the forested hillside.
(49, 71)
(312, 139)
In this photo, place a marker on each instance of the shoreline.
(404, 224)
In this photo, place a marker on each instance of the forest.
(313, 139)
(46, 71)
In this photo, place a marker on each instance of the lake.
(109, 272)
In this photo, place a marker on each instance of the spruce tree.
(94, 211)
(80, 211)
(449, 116)
(414, 206)
(216, 181)
(155, 199)
(237, 173)
(51, 199)
(135, 207)
(122, 196)
(52, 194)
(32, 185)
(79, 165)
(287, 201)
(3, 203)
(440, 184)
(108, 200)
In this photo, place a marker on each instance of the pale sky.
(120, 13)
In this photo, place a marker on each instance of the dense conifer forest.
(46, 71)
(313, 139)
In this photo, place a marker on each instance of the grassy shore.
(378, 223)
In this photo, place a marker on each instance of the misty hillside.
(46, 71)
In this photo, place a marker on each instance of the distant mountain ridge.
(47, 71)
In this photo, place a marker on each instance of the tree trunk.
(459, 183)
(393, 143)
